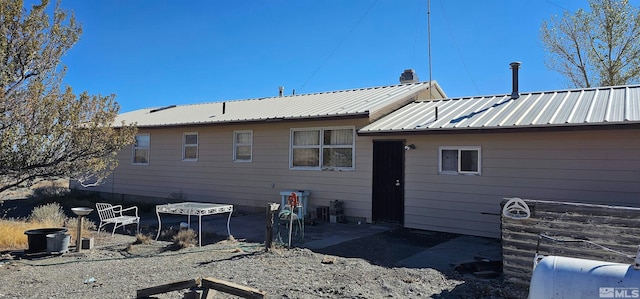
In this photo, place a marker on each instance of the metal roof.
(572, 107)
(372, 102)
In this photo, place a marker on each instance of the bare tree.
(600, 47)
(47, 131)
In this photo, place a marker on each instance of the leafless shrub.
(50, 213)
(142, 239)
(185, 238)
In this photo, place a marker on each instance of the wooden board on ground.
(233, 288)
(205, 283)
(165, 288)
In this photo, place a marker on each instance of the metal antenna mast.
(429, 42)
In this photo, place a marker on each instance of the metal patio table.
(194, 208)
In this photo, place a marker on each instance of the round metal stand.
(81, 212)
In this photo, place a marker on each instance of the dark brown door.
(388, 181)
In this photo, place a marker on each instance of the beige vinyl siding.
(215, 177)
(601, 167)
(596, 166)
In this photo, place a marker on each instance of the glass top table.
(194, 208)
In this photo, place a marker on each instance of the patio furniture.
(110, 214)
(303, 198)
(292, 214)
(194, 208)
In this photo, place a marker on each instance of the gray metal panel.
(552, 103)
(536, 103)
(461, 113)
(620, 104)
(598, 107)
(562, 114)
(579, 113)
(616, 106)
(632, 104)
(479, 118)
(576, 98)
(517, 109)
(337, 103)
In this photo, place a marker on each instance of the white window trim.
(460, 148)
(133, 151)
(320, 147)
(235, 145)
(184, 146)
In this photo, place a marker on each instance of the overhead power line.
(338, 46)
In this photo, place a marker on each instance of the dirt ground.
(118, 268)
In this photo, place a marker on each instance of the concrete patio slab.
(324, 236)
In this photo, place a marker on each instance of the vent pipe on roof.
(162, 108)
(280, 91)
(514, 71)
(224, 107)
(408, 76)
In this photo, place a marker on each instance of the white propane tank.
(565, 277)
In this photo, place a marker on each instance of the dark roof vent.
(408, 76)
(162, 108)
(514, 70)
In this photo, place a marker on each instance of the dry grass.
(12, 235)
(185, 238)
(142, 239)
(88, 227)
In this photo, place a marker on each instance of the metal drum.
(565, 277)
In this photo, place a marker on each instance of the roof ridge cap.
(546, 91)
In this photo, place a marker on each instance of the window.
(190, 147)
(460, 160)
(242, 146)
(141, 149)
(327, 149)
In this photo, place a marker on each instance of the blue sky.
(157, 53)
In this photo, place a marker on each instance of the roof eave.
(364, 114)
(546, 128)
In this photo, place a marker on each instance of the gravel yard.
(117, 269)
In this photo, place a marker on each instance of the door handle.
(398, 183)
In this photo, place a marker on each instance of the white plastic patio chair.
(110, 214)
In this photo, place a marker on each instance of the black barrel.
(37, 238)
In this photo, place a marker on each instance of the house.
(401, 153)
(246, 152)
(466, 154)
